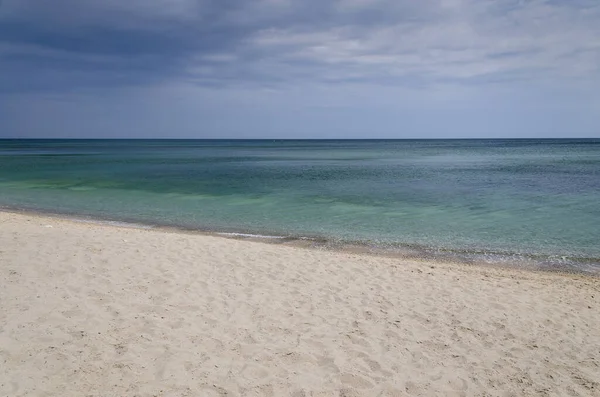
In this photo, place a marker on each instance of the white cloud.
(460, 40)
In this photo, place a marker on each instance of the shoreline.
(503, 260)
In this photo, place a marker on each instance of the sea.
(532, 203)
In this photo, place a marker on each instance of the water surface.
(530, 201)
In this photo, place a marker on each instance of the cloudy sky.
(299, 68)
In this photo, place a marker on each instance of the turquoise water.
(535, 201)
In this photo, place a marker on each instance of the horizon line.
(291, 139)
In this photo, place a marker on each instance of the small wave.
(82, 188)
(112, 223)
(249, 235)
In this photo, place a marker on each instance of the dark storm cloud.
(40, 39)
(72, 44)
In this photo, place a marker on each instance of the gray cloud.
(73, 44)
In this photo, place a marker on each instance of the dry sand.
(93, 310)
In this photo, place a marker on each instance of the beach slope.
(99, 310)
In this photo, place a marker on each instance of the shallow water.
(534, 201)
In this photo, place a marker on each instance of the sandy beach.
(98, 310)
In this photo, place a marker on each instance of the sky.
(299, 69)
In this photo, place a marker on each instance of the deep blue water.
(536, 201)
